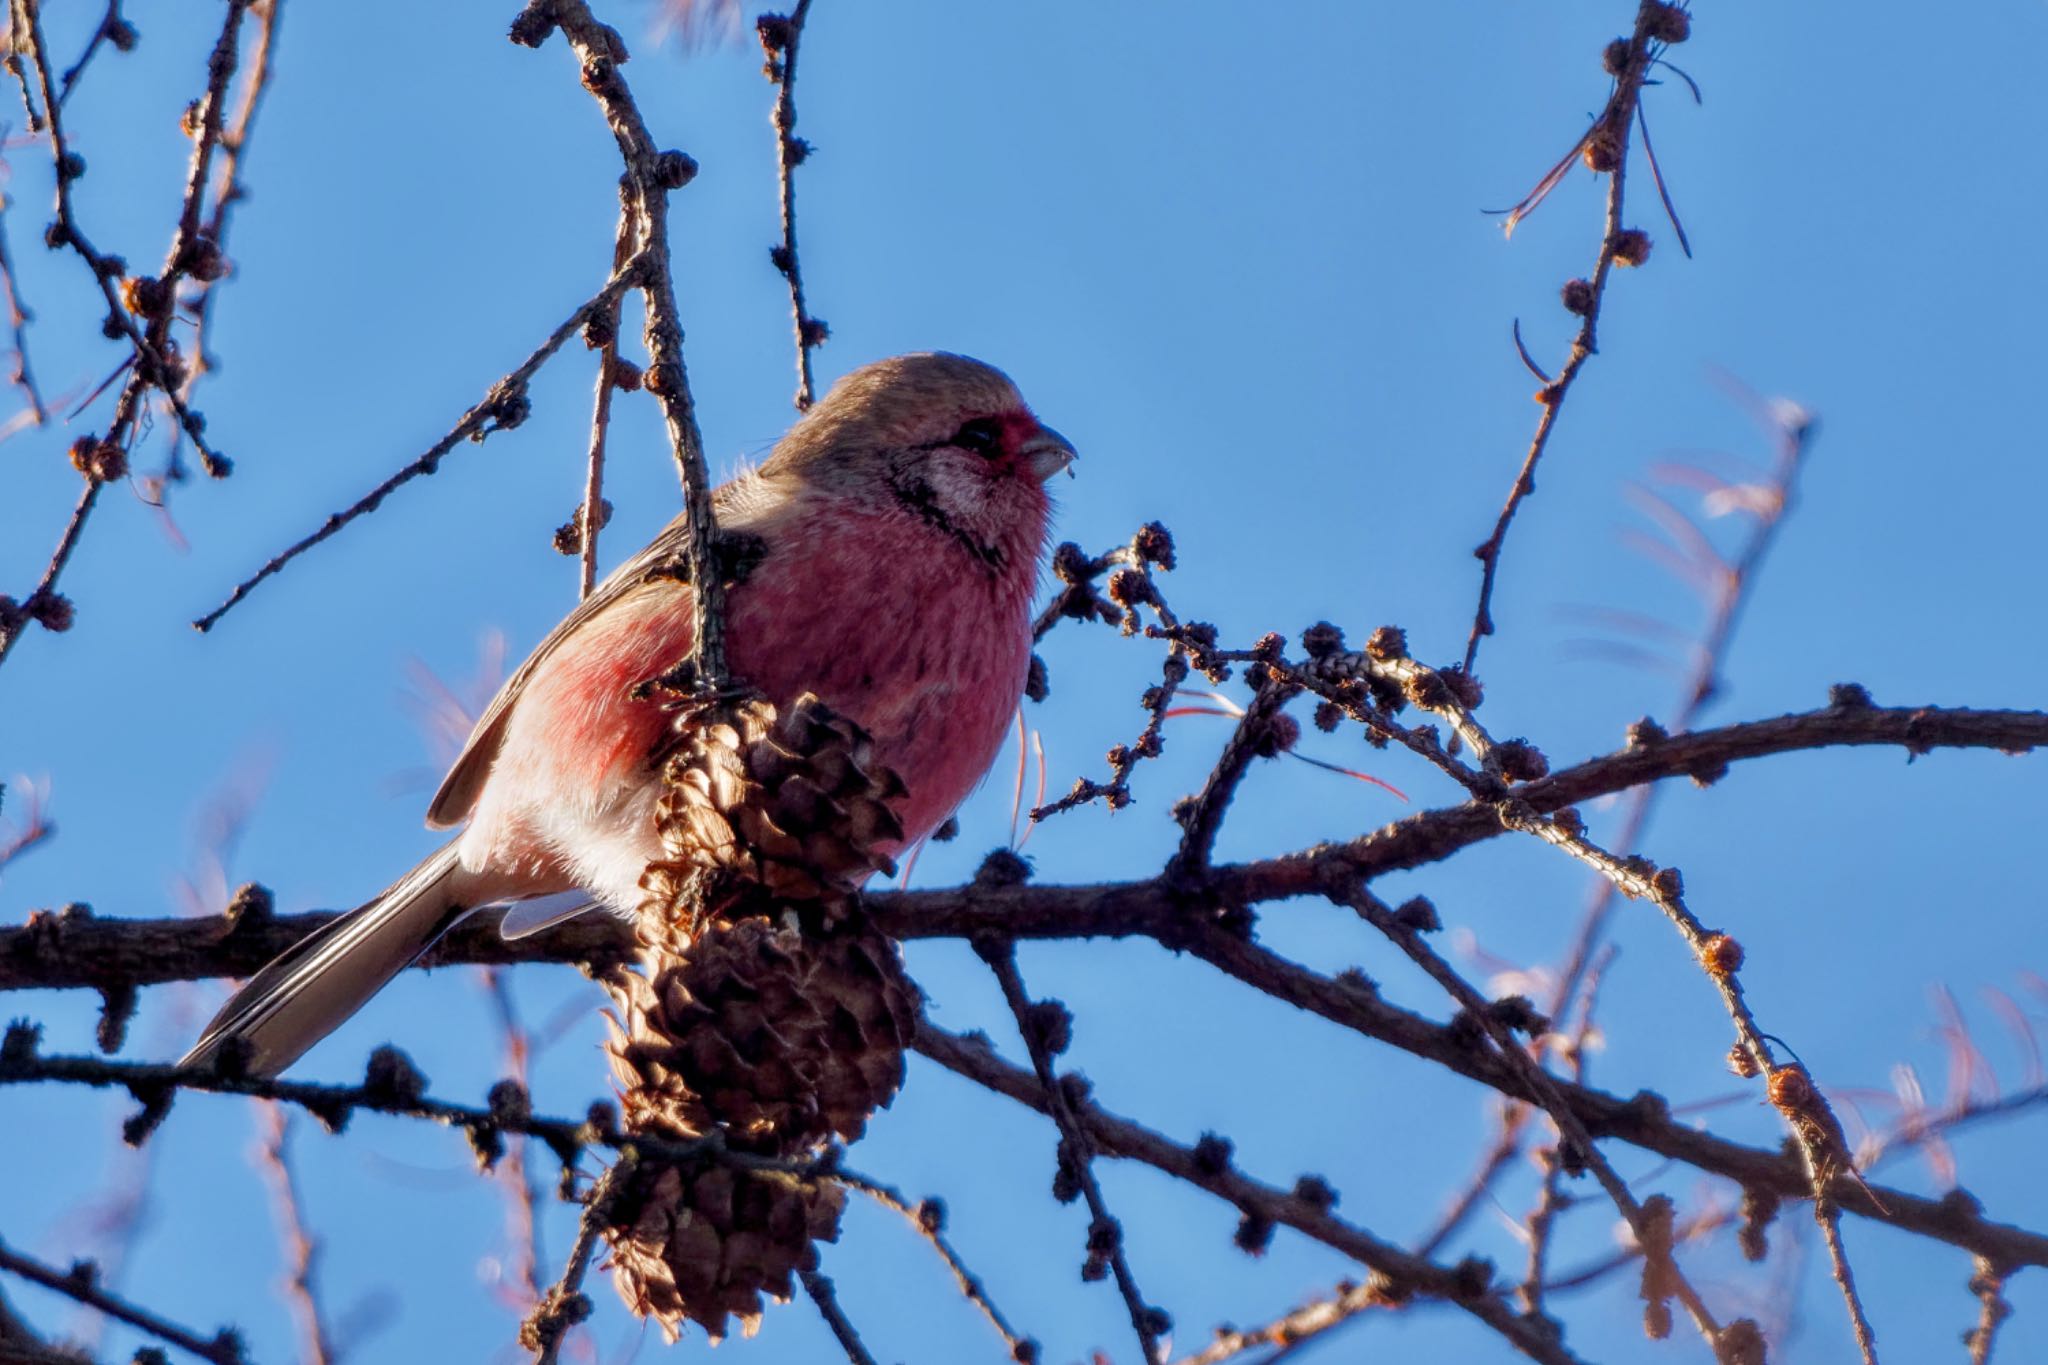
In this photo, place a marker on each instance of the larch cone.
(765, 1004)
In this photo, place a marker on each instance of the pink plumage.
(900, 524)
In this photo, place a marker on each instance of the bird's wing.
(465, 781)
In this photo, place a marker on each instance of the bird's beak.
(1046, 453)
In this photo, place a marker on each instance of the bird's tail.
(313, 986)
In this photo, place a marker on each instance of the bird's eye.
(983, 436)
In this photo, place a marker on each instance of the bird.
(896, 532)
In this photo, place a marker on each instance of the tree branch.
(75, 950)
(1469, 1284)
(503, 408)
(1605, 148)
(80, 1284)
(650, 175)
(1076, 1174)
(780, 38)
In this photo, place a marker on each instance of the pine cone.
(765, 1003)
(783, 1037)
(705, 1242)
(758, 811)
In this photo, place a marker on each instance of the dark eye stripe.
(983, 436)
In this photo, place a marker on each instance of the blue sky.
(1242, 264)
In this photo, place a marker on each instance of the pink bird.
(903, 520)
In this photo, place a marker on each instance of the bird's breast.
(890, 625)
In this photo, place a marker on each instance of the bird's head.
(947, 438)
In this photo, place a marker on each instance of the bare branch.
(301, 1247)
(565, 1304)
(504, 407)
(1468, 1285)
(76, 950)
(781, 35)
(155, 366)
(18, 318)
(820, 1290)
(81, 1284)
(1795, 431)
(234, 146)
(929, 1218)
(1605, 148)
(1042, 1039)
(650, 175)
(603, 328)
(1987, 1282)
(1650, 1225)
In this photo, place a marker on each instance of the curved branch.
(1468, 1284)
(650, 174)
(73, 950)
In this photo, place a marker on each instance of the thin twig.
(1405, 934)
(1733, 590)
(1610, 134)
(1306, 1327)
(928, 1217)
(152, 369)
(80, 1284)
(522, 1193)
(820, 1290)
(111, 27)
(19, 317)
(1830, 1219)
(391, 1088)
(504, 407)
(1506, 1147)
(189, 252)
(591, 518)
(780, 37)
(1255, 735)
(1551, 1201)
(234, 143)
(565, 1303)
(301, 1247)
(1987, 1282)
(43, 604)
(1302, 1325)
(1077, 1152)
(1732, 586)
(1131, 586)
(1468, 1285)
(651, 174)
(1588, 1275)
(1814, 1127)
(1927, 1125)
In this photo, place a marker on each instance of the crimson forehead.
(1018, 426)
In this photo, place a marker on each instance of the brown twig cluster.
(1604, 147)
(141, 308)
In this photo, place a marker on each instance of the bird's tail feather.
(313, 986)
